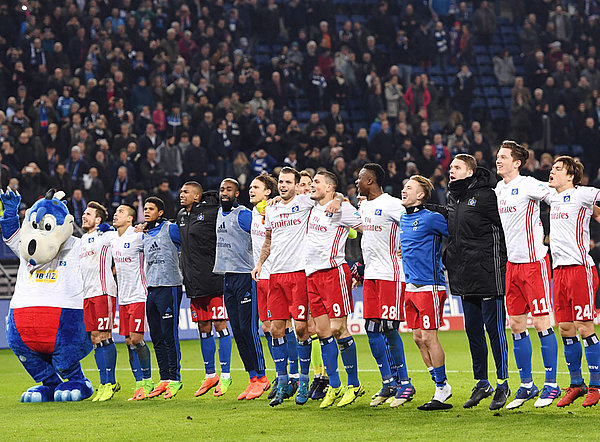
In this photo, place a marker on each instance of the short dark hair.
(232, 181)
(269, 182)
(377, 170)
(518, 152)
(291, 170)
(131, 209)
(101, 211)
(329, 177)
(194, 184)
(469, 160)
(159, 203)
(573, 166)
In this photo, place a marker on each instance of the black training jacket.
(198, 247)
(476, 253)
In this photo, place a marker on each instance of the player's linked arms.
(596, 213)
(264, 254)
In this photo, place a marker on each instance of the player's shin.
(329, 350)
(348, 351)
(549, 348)
(224, 352)
(523, 351)
(592, 355)
(110, 357)
(573, 355)
(397, 349)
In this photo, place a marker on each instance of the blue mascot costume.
(45, 328)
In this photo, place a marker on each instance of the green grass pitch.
(224, 418)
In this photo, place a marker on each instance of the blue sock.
(377, 344)
(482, 383)
(329, 351)
(110, 358)
(549, 354)
(440, 375)
(134, 362)
(208, 347)
(397, 349)
(523, 351)
(252, 374)
(224, 350)
(592, 355)
(100, 362)
(391, 361)
(292, 344)
(304, 351)
(573, 354)
(269, 343)
(143, 353)
(280, 357)
(348, 352)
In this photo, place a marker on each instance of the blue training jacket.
(421, 232)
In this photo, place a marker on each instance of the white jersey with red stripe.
(128, 254)
(288, 222)
(95, 261)
(381, 240)
(519, 208)
(570, 213)
(258, 239)
(325, 246)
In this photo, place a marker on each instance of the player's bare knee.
(302, 330)
(95, 337)
(567, 329)
(220, 325)
(585, 328)
(278, 329)
(204, 326)
(541, 323)
(128, 340)
(266, 327)
(518, 324)
(136, 338)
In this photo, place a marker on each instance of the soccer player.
(330, 287)
(285, 224)
(161, 252)
(421, 235)
(235, 262)
(383, 284)
(320, 379)
(575, 275)
(476, 263)
(262, 189)
(197, 222)
(100, 296)
(128, 254)
(527, 272)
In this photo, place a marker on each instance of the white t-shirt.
(325, 245)
(287, 223)
(570, 213)
(95, 261)
(519, 208)
(258, 239)
(381, 239)
(128, 254)
(57, 283)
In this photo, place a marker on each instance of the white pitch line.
(372, 371)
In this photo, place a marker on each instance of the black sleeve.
(437, 208)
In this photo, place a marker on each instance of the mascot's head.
(46, 227)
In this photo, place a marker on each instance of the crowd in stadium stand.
(115, 100)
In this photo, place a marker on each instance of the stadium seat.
(489, 81)
(561, 149)
(435, 70)
(497, 114)
(478, 103)
(577, 149)
(494, 103)
(490, 92)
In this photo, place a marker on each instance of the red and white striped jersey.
(325, 245)
(258, 239)
(128, 254)
(381, 239)
(570, 213)
(287, 223)
(519, 208)
(95, 261)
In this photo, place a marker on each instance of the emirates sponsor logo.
(507, 209)
(317, 227)
(559, 215)
(285, 223)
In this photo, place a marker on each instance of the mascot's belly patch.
(38, 327)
